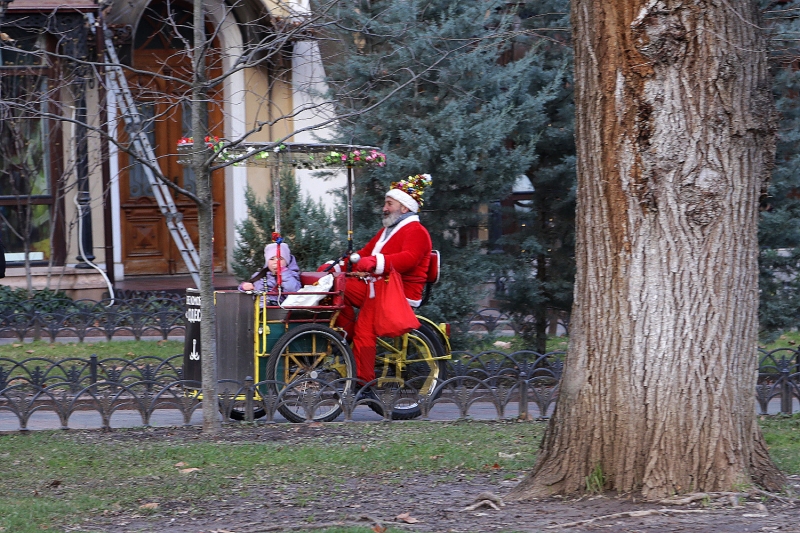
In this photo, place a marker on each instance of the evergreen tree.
(308, 229)
(460, 111)
(540, 252)
(779, 228)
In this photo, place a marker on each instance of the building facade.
(78, 212)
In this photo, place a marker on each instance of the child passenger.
(290, 274)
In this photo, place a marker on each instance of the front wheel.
(312, 367)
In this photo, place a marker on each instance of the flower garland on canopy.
(354, 158)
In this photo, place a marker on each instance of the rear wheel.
(238, 411)
(406, 380)
(309, 365)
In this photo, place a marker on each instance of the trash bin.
(234, 337)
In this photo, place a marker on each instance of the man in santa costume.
(403, 246)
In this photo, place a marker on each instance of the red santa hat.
(410, 190)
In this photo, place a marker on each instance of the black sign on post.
(192, 369)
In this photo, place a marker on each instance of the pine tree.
(460, 111)
(540, 253)
(779, 228)
(306, 226)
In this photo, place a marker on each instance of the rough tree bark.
(205, 222)
(675, 139)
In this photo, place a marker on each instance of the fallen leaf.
(16, 346)
(407, 518)
(363, 446)
(151, 505)
(55, 483)
(314, 424)
(503, 455)
(179, 465)
(188, 470)
(436, 456)
(377, 528)
(28, 351)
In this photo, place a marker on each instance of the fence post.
(786, 389)
(93, 368)
(248, 398)
(523, 396)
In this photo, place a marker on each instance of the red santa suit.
(407, 250)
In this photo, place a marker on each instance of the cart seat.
(309, 278)
(434, 267)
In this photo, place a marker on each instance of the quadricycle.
(298, 362)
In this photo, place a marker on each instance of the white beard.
(391, 219)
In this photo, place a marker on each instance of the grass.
(129, 349)
(782, 434)
(790, 339)
(513, 344)
(54, 479)
(57, 350)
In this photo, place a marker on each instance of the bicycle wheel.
(238, 410)
(307, 363)
(411, 377)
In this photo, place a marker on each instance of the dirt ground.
(445, 502)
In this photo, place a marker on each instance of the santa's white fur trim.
(404, 198)
(380, 264)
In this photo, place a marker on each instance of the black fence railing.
(151, 314)
(522, 384)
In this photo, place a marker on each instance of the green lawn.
(49, 478)
(790, 339)
(57, 350)
(54, 351)
(52, 480)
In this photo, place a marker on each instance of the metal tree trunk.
(675, 138)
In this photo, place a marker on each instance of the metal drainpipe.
(82, 169)
(106, 168)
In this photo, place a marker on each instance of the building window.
(27, 146)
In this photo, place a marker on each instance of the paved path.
(48, 420)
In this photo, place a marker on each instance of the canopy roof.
(51, 5)
(303, 155)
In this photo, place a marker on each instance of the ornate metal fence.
(146, 384)
(135, 316)
(778, 378)
(522, 384)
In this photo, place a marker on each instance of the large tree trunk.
(675, 139)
